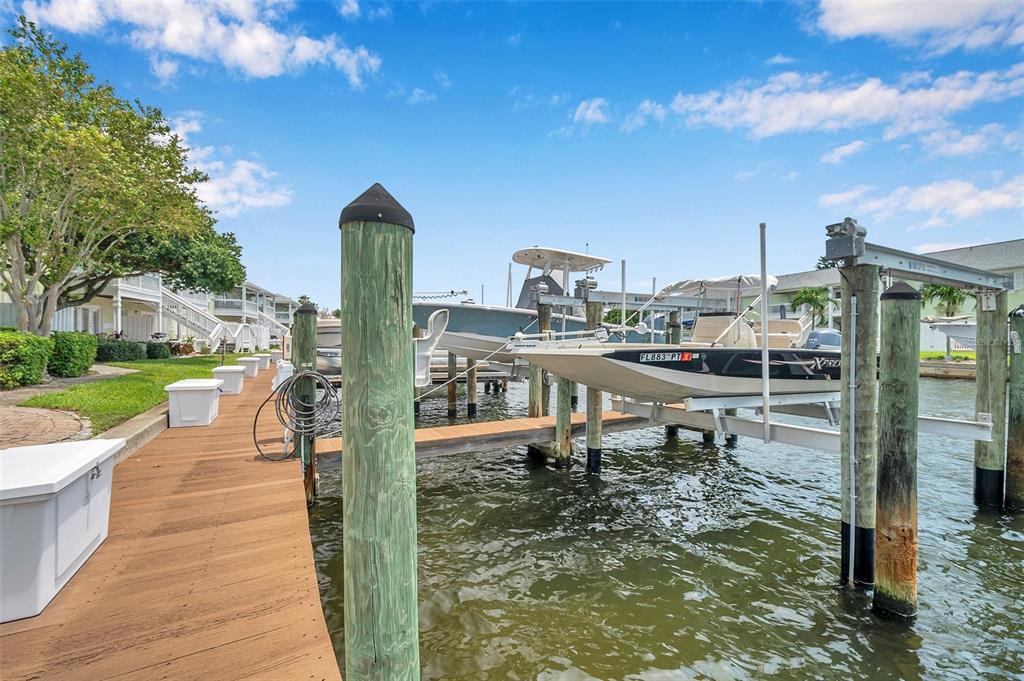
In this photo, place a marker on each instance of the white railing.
(148, 282)
(274, 325)
(212, 330)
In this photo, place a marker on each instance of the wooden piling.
(544, 326)
(563, 424)
(452, 385)
(860, 328)
(594, 403)
(470, 387)
(379, 466)
(989, 457)
(304, 391)
(1015, 424)
(896, 499)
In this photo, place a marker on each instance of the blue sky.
(659, 133)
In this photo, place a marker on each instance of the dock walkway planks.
(207, 572)
(483, 435)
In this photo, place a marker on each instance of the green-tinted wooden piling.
(379, 466)
(896, 499)
(544, 326)
(534, 406)
(1015, 424)
(989, 457)
(595, 403)
(304, 392)
(563, 425)
(675, 329)
(574, 395)
(453, 408)
(860, 281)
(470, 387)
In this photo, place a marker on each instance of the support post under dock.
(379, 466)
(896, 500)
(470, 387)
(544, 326)
(991, 398)
(304, 392)
(594, 403)
(859, 439)
(1015, 425)
(452, 385)
(563, 424)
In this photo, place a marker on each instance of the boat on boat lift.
(482, 332)
(723, 356)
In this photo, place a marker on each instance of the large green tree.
(93, 187)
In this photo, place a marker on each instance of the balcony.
(234, 307)
(283, 316)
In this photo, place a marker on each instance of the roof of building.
(1001, 256)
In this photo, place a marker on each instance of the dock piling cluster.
(304, 359)
(991, 398)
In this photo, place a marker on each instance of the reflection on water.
(689, 561)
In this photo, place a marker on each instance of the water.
(689, 561)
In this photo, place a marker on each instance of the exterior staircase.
(213, 331)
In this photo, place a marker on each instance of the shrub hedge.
(155, 350)
(73, 353)
(23, 358)
(120, 351)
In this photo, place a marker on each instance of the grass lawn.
(958, 356)
(112, 401)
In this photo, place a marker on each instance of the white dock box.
(233, 377)
(264, 359)
(251, 364)
(54, 511)
(276, 355)
(193, 402)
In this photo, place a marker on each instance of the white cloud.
(943, 246)
(163, 69)
(797, 102)
(525, 98)
(515, 39)
(779, 59)
(841, 152)
(248, 37)
(234, 185)
(349, 9)
(419, 96)
(947, 199)
(442, 79)
(648, 109)
(591, 111)
(952, 142)
(843, 198)
(938, 25)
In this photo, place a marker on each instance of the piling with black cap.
(859, 363)
(379, 462)
(595, 402)
(1015, 424)
(896, 491)
(304, 391)
(470, 387)
(989, 457)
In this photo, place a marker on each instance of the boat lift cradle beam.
(846, 242)
(711, 418)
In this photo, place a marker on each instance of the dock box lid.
(195, 384)
(228, 370)
(47, 469)
(248, 360)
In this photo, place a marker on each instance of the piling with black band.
(991, 398)
(379, 465)
(470, 387)
(860, 285)
(896, 497)
(595, 403)
(304, 391)
(1015, 424)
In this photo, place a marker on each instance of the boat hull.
(658, 373)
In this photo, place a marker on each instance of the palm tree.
(815, 298)
(949, 299)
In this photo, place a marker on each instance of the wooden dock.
(207, 572)
(484, 435)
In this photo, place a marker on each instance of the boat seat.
(708, 328)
